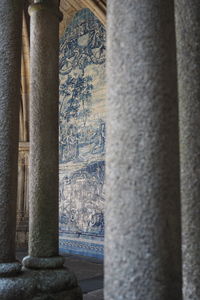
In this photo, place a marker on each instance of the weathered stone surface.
(41, 285)
(143, 238)
(188, 54)
(17, 288)
(43, 262)
(52, 281)
(43, 188)
(9, 269)
(10, 62)
(57, 282)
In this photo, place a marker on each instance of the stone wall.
(82, 135)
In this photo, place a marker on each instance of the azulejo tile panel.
(82, 134)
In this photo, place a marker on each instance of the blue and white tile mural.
(82, 135)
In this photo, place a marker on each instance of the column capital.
(44, 5)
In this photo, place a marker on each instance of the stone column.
(43, 193)
(43, 188)
(188, 54)
(10, 63)
(143, 237)
(22, 196)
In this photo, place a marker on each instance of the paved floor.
(95, 295)
(89, 273)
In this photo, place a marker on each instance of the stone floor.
(89, 272)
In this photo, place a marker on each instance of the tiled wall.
(82, 135)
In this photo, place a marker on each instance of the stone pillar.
(43, 188)
(22, 196)
(143, 237)
(188, 54)
(10, 63)
(43, 193)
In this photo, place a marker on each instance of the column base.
(43, 263)
(58, 284)
(10, 269)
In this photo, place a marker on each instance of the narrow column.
(10, 63)
(188, 53)
(44, 84)
(43, 187)
(142, 244)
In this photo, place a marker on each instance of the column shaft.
(188, 53)
(142, 243)
(43, 263)
(10, 63)
(44, 39)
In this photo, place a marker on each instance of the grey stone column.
(44, 84)
(43, 188)
(10, 64)
(188, 54)
(143, 237)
